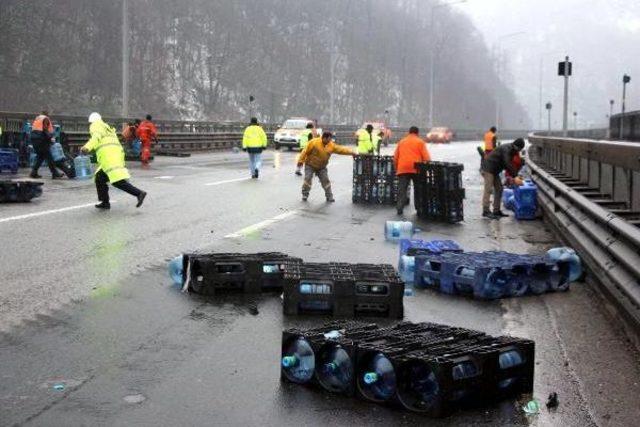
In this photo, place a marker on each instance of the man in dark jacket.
(500, 159)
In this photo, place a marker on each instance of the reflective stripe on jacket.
(410, 150)
(109, 152)
(365, 143)
(254, 137)
(317, 154)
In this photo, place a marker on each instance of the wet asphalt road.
(86, 303)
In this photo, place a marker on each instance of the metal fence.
(630, 130)
(590, 192)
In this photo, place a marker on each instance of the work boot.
(57, 176)
(330, 200)
(400, 211)
(499, 214)
(34, 175)
(298, 172)
(103, 205)
(141, 199)
(257, 173)
(488, 214)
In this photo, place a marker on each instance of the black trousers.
(403, 188)
(41, 147)
(103, 190)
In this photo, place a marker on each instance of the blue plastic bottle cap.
(330, 367)
(289, 361)
(370, 377)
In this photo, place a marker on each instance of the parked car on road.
(441, 135)
(288, 135)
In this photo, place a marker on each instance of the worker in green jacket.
(254, 141)
(111, 167)
(365, 140)
(305, 136)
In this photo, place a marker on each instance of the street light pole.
(499, 69)
(575, 120)
(625, 79)
(611, 102)
(125, 59)
(548, 107)
(432, 71)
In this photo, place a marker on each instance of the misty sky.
(602, 38)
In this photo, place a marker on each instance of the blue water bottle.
(396, 230)
(57, 153)
(82, 165)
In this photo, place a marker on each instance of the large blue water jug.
(407, 269)
(420, 390)
(506, 360)
(396, 230)
(335, 369)
(136, 147)
(82, 165)
(57, 153)
(298, 361)
(508, 199)
(175, 270)
(566, 258)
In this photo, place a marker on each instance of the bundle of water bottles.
(494, 274)
(426, 368)
(522, 200)
(439, 192)
(410, 248)
(374, 180)
(9, 160)
(19, 191)
(343, 290)
(213, 273)
(79, 167)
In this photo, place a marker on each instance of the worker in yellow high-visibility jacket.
(111, 167)
(365, 140)
(254, 141)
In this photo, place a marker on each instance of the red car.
(440, 135)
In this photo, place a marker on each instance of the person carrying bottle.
(147, 134)
(111, 166)
(254, 141)
(365, 140)
(500, 159)
(410, 150)
(315, 159)
(41, 139)
(305, 136)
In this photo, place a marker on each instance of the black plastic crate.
(374, 180)
(209, 274)
(19, 191)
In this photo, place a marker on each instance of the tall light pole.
(432, 72)
(548, 107)
(625, 79)
(611, 102)
(125, 58)
(575, 120)
(498, 69)
(565, 70)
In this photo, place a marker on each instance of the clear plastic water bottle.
(407, 269)
(506, 360)
(396, 230)
(420, 390)
(335, 369)
(175, 270)
(495, 285)
(82, 165)
(270, 268)
(298, 362)
(378, 381)
(57, 153)
(315, 288)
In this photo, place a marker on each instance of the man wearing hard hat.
(111, 168)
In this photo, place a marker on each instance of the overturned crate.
(426, 368)
(343, 290)
(439, 191)
(18, 191)
(209, 274)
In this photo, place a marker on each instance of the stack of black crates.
(343, 290)
(426, 368)
(439, 191)
(374, 180)
(209, 274)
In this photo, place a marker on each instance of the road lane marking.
(227, 181)
(43, 213)
(165, 177)
(260, 225)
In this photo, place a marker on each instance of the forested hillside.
(201, 59)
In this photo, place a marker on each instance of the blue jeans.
(255, 161)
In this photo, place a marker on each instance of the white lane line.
(165, 177)
(43, 213)
(227, 181)
(262, 224)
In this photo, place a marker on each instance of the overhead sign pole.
(564, 69)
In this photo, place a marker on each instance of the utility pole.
(625, 79)
(575, 120)
(611, 102)
(251, 99)
(540, 94)
(498, 59)
(548, 107)
(125, 59)
(332, 65)
(565, 70)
